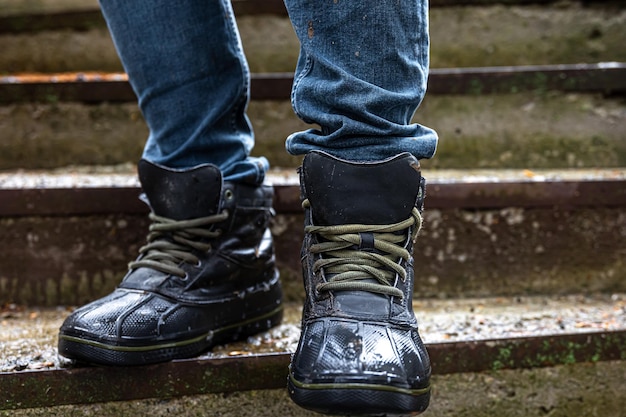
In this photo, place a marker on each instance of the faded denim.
(360, 77)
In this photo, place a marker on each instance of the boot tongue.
(181, 194)
(343, 192)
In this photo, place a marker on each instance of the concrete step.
(538, 129)
(464, 336)
(485, 35)
(67, 237)
(584, 389)
(524, 130)
(543, 248)
(606, 78)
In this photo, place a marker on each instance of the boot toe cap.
(342, 351)
(118, 318)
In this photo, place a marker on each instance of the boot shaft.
(232, 248)
(344, 192)
(365, 198)
(185, 194)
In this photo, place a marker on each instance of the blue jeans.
(360, 77)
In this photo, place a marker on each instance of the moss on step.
(524, 130)
(562, 391)
(461, 36)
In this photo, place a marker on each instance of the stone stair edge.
(125, 176)
(580, 328)
(442, 321)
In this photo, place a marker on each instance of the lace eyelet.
(320, 295)
(229, 194)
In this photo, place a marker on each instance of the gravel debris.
(28, 336)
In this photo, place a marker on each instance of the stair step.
(565, 32)
(83, 15)
(79, 192)
(522, 130)
(462, 335)
(89, 87)
(531, 236)
(487, 232)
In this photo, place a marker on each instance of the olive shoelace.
(171, 242)
(350, 268)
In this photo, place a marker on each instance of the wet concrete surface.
(124, 175)
(28, 338)
(562, 391)
(70, 260)
(66, 266)
(461, 36)
(28, 335)
(523, 130)
(526, 130)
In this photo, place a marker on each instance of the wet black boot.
(360, 352)
(207, 275)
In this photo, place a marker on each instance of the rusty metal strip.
(70, 201)
(15, 89)
(259, 372)
(565, 194)
(584, 78)
(76, 91)
(172, 379)
(33, 22)
(256, 7)
(527, 352)
(605, 78)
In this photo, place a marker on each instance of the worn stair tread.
(28, 334)
(125, 176)
(93, 87)
(462, 335)
(83, 191)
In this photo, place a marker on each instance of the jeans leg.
(361, 75)
(186, 65)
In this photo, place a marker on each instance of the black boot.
(207, 275)
(360, 351)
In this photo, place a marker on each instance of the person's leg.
(361, 75)
(186, 64)
(207, 273)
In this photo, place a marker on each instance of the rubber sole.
(94, 352)
(358, 399)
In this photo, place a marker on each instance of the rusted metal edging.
(269, 371)
(78, 20)
(101, 87)
(564, 194)
(602, 78)
(527, 352)
(487, 195)
(605, 78)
